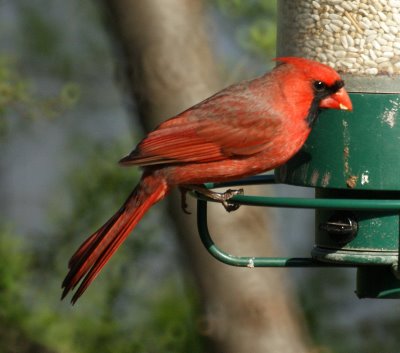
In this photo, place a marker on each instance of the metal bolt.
(341, 226)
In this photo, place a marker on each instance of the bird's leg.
(222, 197)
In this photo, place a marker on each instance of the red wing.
(223, 126)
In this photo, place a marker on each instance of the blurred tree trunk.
(171, 67)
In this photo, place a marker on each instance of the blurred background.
(80, 83)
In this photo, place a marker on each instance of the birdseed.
(361, 37)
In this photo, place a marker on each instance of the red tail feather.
(95, 252)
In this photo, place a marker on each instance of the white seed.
(381, 59)
(316, 4)
(346, 20)
(389, 37)
(347, 64)
(372, 71)
(333, 16)
(334, 28)
(381, 40)
(375, 24)
(370, 63)
(372, 54)
(396, 17)
(371, 38)
(388, 54)
(384, 64)
(347, 5)
(330, 57)
(350, 40)
(344, 41)
(387, 48)
(377, 5)
(325, 22)
(340, 54)
(371, 9)
(352, 49)
(369, 32)
(365, 21)
(337, 23)
(354, 36)
(382, 16)
(385, 27)
(394, 3)
(376, 44)
(339, 8)
(315, 17)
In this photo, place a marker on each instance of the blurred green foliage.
(13, 265)
(126, 310)
(20, 102)
(14, 270)
(60, 65)
(109, 317)
(255, 23)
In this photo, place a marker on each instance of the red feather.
(245, 129)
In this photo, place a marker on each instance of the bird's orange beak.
(338, 100)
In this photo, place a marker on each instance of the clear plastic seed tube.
(360, 38)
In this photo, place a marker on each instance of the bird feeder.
(352, 160)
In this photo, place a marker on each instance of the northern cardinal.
(245, 129)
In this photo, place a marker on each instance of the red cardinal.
(243, 130)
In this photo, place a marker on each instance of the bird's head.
(324, 83)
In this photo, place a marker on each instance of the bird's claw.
(221, 197)
(184, 204)
(227, 195)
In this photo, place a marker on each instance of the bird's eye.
(319, 86)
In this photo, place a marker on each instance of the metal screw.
(341, 226)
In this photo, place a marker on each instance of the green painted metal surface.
(377, 238)
(307, 203)
(356, 156)
(353, 161)
(351, 150)
(364, 254)
(248, 261)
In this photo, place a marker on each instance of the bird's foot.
(184, 204)
(221, 197)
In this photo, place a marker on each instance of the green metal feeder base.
(355, 257)
(377, 263)
(352, 160)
